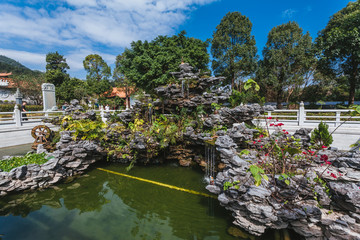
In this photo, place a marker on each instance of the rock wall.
(70, 159)
(256, 208)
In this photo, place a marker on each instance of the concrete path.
(10, 135)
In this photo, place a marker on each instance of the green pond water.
(102, 205)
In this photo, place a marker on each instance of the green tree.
(122, 81)
(71, 88)
(233, 47)
(98, 74)
(339, 46)
(56, 67)
(287, 59)
(30, 85)
(148, 64)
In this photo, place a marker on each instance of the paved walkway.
(10, 135)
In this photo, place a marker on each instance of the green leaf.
(287, 182)
(244, 152)
(292, 151)
(265, 177)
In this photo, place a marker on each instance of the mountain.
(10, 65)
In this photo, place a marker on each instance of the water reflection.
(101, 205)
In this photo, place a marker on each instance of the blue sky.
(75, 28)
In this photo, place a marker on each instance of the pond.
(102, 205)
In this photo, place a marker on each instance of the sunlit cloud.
(76, 28)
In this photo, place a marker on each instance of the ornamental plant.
(321, 136)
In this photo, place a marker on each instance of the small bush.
(14, 162)
(10, 107)
(321, 136)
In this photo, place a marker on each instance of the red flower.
(283, 130)
(287, 133)
(323, 146)
(261, 146)
(269, 117)
(329, 163)
(261, 136)
(254, 142)
(321, 164)
(280, 124)
(259, 140)
(333, 175)
(324, 157)
(266, 155)
(271, 124)
(304, 153)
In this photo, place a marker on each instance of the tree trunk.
(279, 99)
(352, 81)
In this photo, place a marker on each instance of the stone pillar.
(17, 116)
(301, 114)
(49, 100)
(18, 96)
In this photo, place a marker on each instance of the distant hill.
(10, 65)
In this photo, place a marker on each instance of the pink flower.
(321, 164)
(261, 136)
(323, 146)
(254, 142)
(261, 146)
(329, 163)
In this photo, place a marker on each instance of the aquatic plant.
(30, 158)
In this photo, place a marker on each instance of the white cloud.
(288, 13)
(83, 22)
(77, 28)
(24, 57)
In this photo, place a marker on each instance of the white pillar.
(338, 119)
(102, 114)
(17, 116)
(301, 114)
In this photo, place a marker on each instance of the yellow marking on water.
(159, 183)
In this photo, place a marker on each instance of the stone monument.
(49, 100)
(18, 96)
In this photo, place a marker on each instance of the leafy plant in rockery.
(321, 136)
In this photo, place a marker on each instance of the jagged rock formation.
(256, 208)
(189, 91)
(71, 158)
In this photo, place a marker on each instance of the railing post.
(301, 114)
(46, 114)
(269, 114)
(337, 121)
(102, 114)
(17, 116)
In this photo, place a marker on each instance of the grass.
(14, 162)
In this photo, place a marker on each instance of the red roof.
(5, 74)
(120, 92)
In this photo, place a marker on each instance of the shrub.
(30, 158)
(10, 107)
(321, 136)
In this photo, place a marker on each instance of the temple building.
(7, 88)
